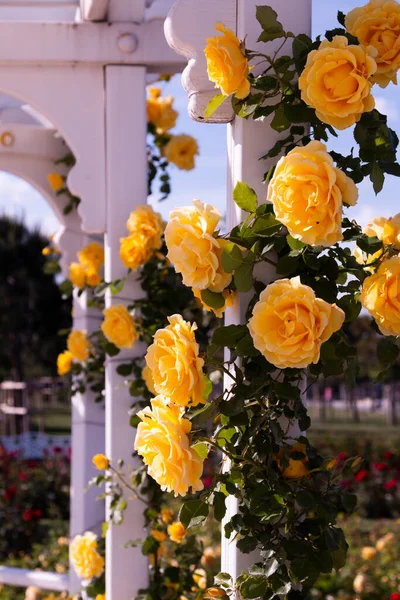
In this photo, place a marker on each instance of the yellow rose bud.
(176, 368)
(166, 515)
(56, 181)
(181, 151)
(380, 295)
(101, 462)
(337, 81)
(119, 327)
(193, 250)
(162, 440)
(368, 552)
(177, 532)
(77, 275)
(215, 593)
(160, 112)
(101, 597)
(148, 379)
(308, 193)
(227, 65)
(158, 535)
(229, 295)
(78, 345)
(377, 24)
(92, 256)
(200, 578)
(85, 559)
(357, 462)
(289, 324)
(64, 362)
(332, 464)
(46, 251)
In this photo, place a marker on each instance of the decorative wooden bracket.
(188, 25)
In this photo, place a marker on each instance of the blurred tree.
(31, 308)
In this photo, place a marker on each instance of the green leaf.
(232, 257)
(280, 122)
(341, 17)
(253, 587)
(192, 513)
(208, 387)
(219, 506)
(377, 177)
(388, 352)
(117, 286)
(229, 336)
(305, 499)
(267, 18)
(294, 244)
(104, 529)
(111, 349)
(150, 546)
(202, 449)
(214, 104)
(243, 277)
(213, 299)
(125, 369)
(245, 197)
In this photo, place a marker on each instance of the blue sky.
(208, 181)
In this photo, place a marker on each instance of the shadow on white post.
(247, 141)
(126, 160)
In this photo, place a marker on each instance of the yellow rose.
(162, 440)
(229, 295)
(177, 532)
(119, 327)
(337, 82)
(145, 227)
(308, 193)
(160, 111)
(92, 277)
(101, 462)
(181, 151)
(47, 251)
(64, 362)
(215, 593)
(77, 275)
(148, 379)
(174, 362)
(85, 559)
(380, 295)
(78, 345)
(200, 578)
(389, 233)
(227, 65)
(377, 24)
(92, 256)
(166, 515)
(289, 324)
(56, 181)
(297, 468)
(158, 535)
(101, 597)
(193, 250)
(368, 552)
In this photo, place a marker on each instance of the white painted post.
(247, 141)
(87, 439)
(126, 160)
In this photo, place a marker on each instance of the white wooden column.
(126, 160)
(88, 439)
(247, 141)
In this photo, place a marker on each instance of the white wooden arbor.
(83, 66)
(188, 25)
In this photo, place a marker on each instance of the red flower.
(23, 476)
(380, 466)
(344, 483)
(10, 493)
(395, 596)
(390, 485)
(342, 456)
(32, 464)
(387, 456)
(57, 449)
(38, 513)
(361, 475)
(27, 515)
(207, 481)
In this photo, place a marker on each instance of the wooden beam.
(27, 43)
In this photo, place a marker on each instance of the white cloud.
(387, 107)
